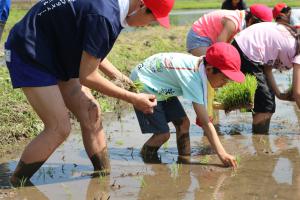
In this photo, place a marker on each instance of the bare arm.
(212, 135)
(111, 71)
(271, 81)
(91, 78)
(272, 84)
(296, 83)
(228, 30)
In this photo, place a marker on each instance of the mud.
(269, 164)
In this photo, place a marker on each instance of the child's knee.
(164, 137)
(185, 124)
(93, 119)
(61, 128)
(182, 125)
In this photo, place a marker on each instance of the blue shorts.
(164, 112)
(193, 41)
(23, 74)
(4, 10)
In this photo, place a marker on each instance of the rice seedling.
(238, 159)
(137, 86)
(101, 175)
(175, 169)
(164, 97)
(205, 159)
(22, 182)
(119, 142)
(67, 191)
(236, 95)
(142, 181)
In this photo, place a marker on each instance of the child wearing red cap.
(169, 75)
(283, 13)
(222, 25)
(263, 47)
(54, 54)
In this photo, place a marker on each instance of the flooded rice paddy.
(269, 165)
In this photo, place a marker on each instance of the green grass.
(237, 95)
(17, 119)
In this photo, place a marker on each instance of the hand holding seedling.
(229, 160)
(144, 102)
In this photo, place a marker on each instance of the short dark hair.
(285, 10)
(249, 15)
(215, 70)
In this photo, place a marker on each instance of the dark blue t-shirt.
(53, 34)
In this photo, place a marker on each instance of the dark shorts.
(264, 100)
(23, 74)
(164, 112)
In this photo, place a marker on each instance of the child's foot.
(149, 154)
(16, 182)
(101, 163)
(184, 159)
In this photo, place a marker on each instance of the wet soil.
(269, 164)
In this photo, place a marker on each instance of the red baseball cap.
(262, 12)
(160, 10)
(277, 9)
(227, 59)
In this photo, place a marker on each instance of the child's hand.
(287, 96)
(229, 160)
(144, 102)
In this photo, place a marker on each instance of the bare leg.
(150, 148)
(183, 137)
(200, 51)
(49, 105)
(261, 123)
(87, 110)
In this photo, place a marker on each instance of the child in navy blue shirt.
(53, 54)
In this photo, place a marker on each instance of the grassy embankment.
(18, 121)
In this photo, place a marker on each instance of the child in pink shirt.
(263, 47)
(222, 25)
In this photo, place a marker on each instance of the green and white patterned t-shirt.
(173, 74)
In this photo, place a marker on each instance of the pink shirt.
(209, 25)
(269, 43)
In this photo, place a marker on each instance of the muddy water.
(269, 164)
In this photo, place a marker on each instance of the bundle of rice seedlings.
(235, 96)
(137, 86)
